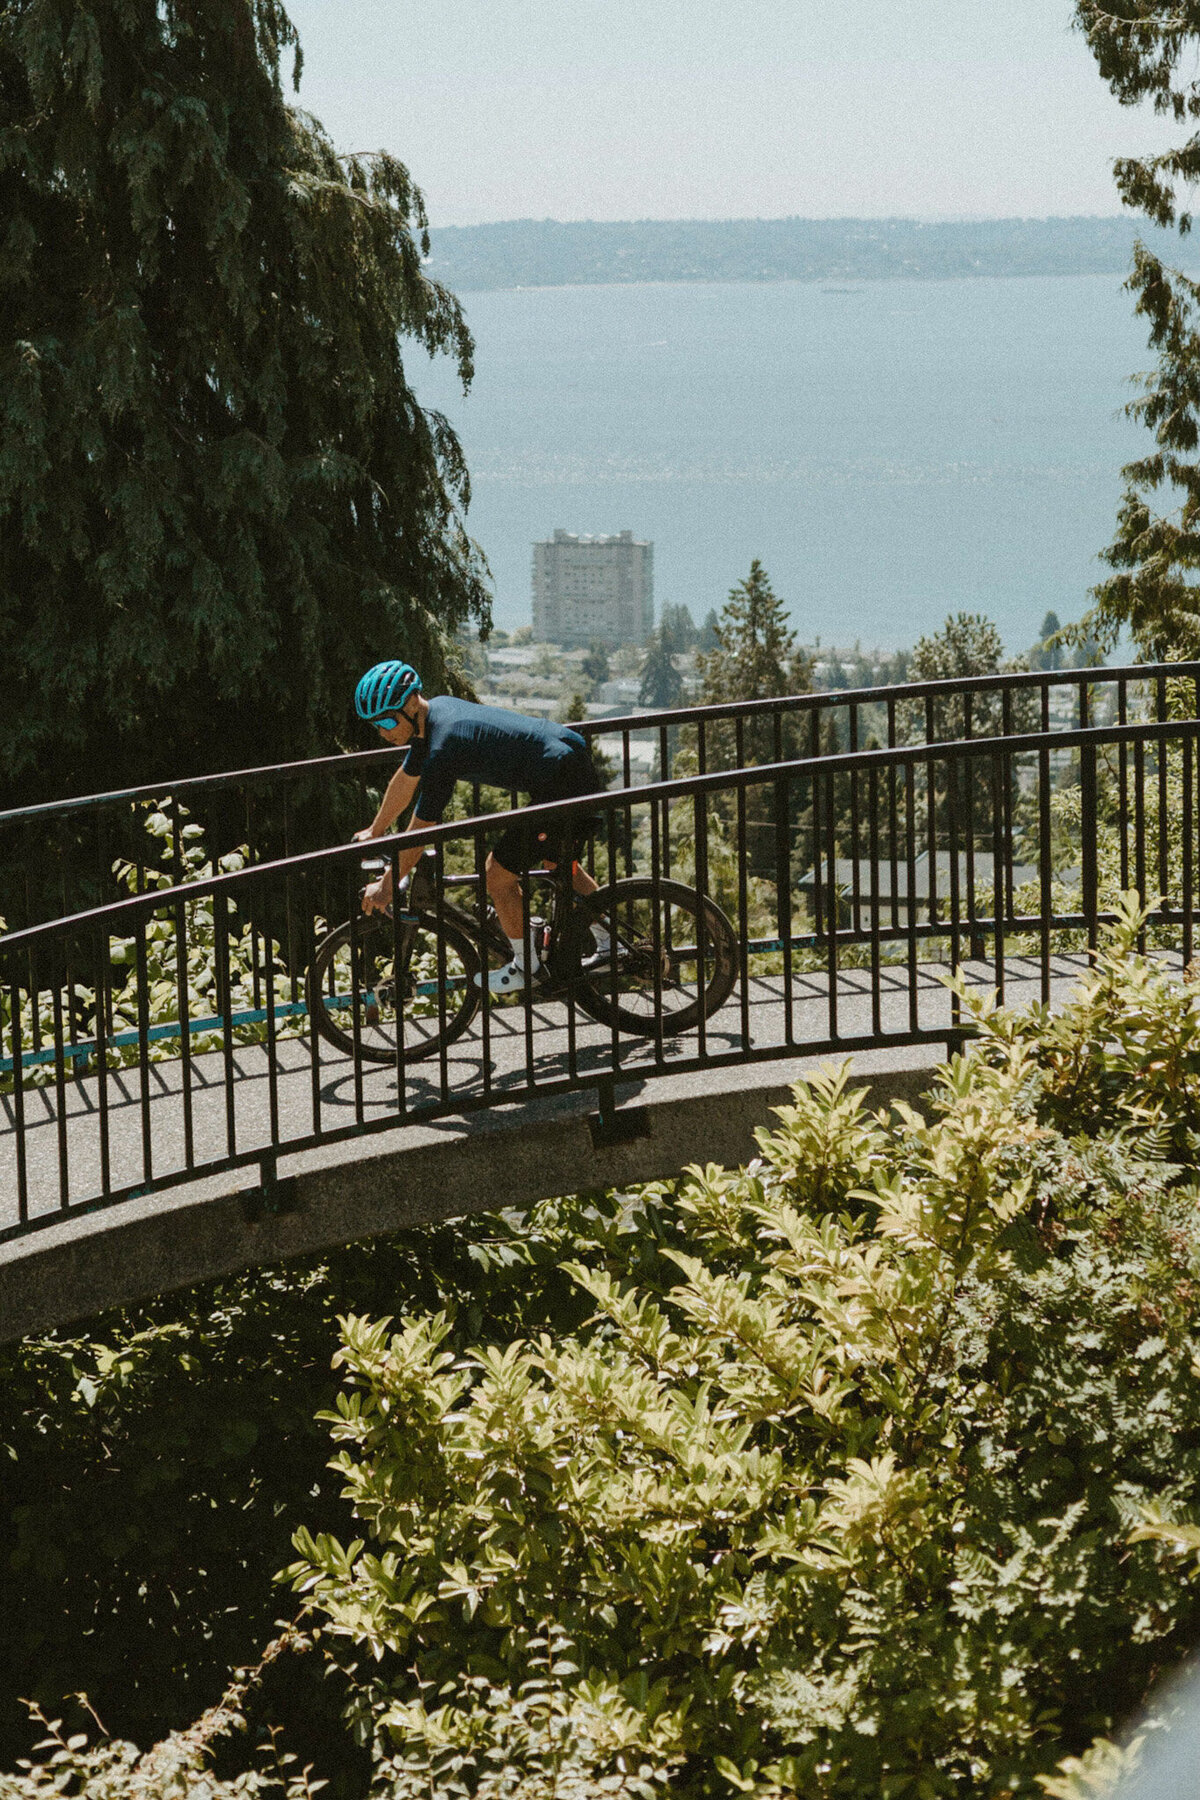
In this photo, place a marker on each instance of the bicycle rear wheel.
(676, 957)
(435, 995)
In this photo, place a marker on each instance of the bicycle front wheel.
(432, 993)
(675, 957)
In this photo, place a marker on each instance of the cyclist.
(447, 741)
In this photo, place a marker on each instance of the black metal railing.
(61, 857)
(167, 1035)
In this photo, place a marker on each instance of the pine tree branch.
(1169, 27)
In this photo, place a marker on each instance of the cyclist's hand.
(377, 896)
(364, 836)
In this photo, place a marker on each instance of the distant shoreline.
(544, 253)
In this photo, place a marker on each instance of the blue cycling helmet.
(384, 691)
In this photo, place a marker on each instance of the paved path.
(169, 1129)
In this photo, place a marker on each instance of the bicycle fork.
(374, 991)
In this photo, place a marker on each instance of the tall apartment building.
(593, 587)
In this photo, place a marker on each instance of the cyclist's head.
(384, 692)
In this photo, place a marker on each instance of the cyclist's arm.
(396, 800)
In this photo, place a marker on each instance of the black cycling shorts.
(525, 847)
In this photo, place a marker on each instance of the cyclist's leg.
(524, 847)
(566, 844)
(514, 854)
(504, 889)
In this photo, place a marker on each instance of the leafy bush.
(153, 1469)
(179, 1767)
(863, 1471)
(248, 961)
(833, 1492)
(248, 958)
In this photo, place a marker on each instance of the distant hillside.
(545, 253)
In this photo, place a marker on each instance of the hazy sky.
(617, 109)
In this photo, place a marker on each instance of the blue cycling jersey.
(467, 742)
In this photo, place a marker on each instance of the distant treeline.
(545, 253)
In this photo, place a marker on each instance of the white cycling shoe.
(511, 979)
(600, 960)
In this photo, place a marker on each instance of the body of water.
(892, 451)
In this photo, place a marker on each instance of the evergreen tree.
(706, 637)
(594, 666)
(1148, 51)
(219, 496)
(755, 656)
(679, 628)
(662, 684)
(968, 645)
(1047, 654)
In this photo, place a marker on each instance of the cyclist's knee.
(500, 879)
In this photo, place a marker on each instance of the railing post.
(610, 1126)
(272, 1195)
(1088, 871)
(278, 1196)
(18, 1051)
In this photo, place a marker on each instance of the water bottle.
(539, 935)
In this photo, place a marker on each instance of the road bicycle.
(673, 960)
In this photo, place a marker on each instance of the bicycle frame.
(423, 897)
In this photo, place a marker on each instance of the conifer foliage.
(755, 655)
(662, 684)
(219, 495)
(967, 646)
(1145, 50)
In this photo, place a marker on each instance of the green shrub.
(833, 1492)
(249, 962)
(154, 1467)
(862, 1471)
(178, 1768)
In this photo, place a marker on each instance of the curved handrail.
(852, 880)
(709, 714)
(189, 785)
(859, 762)
(821, 699)
(279, 808)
